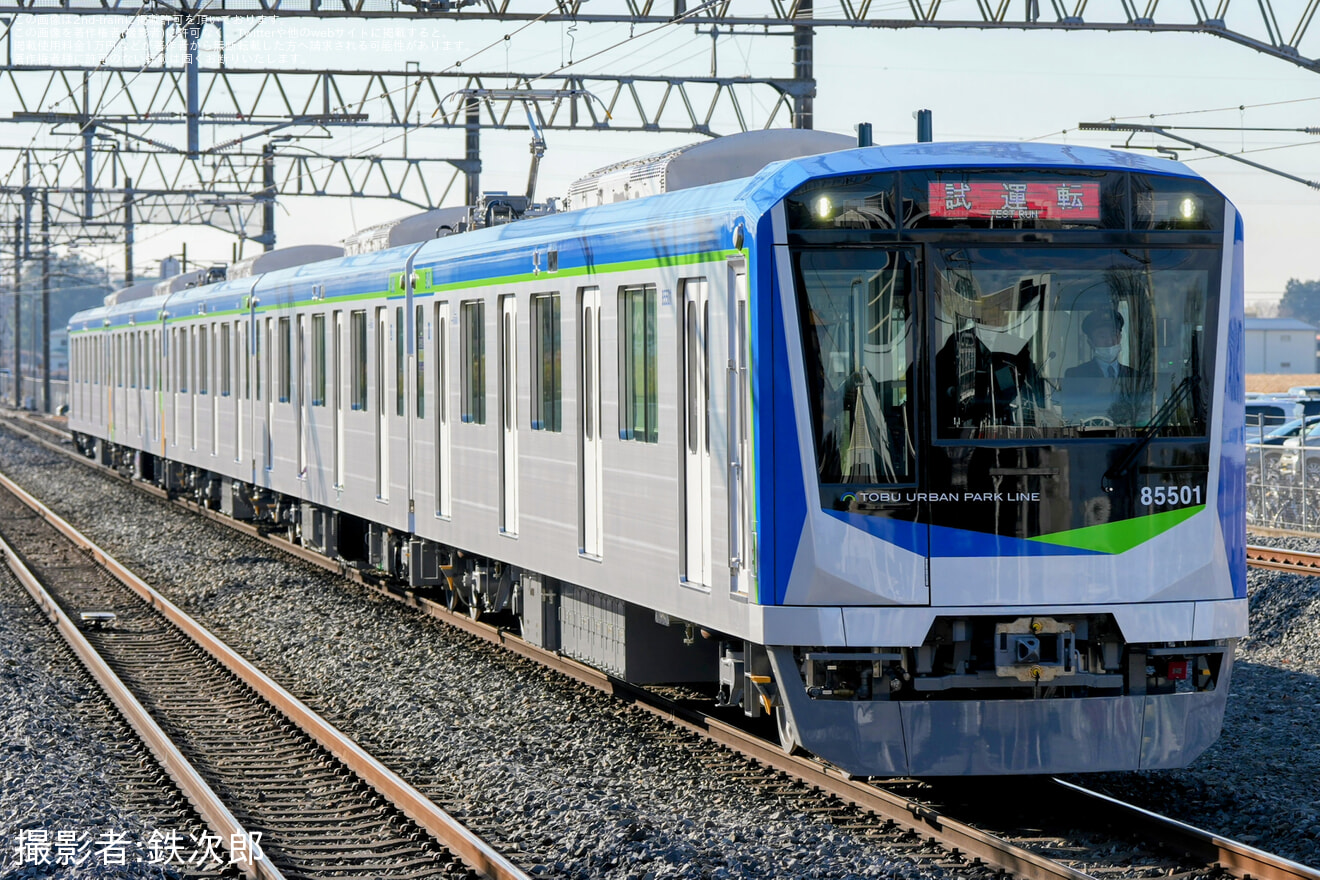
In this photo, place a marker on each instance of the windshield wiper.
(1187, 387)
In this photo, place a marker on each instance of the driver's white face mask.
(1107, 354)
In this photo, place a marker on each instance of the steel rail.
(471, 849)
(1292, 561)
(1234, 858)
(1272, 532)
(212, 809)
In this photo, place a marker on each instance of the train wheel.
(448, 595)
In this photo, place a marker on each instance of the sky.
(980, 85)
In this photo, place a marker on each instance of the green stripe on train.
(427, 289)
(1121, 536)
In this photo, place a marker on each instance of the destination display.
(1015, 200)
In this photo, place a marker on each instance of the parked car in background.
(1299, 455)
(1264, 414)
(1305, 391)
(1264, 451)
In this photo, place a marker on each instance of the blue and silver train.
(932, 453)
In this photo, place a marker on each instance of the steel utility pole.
(18, 315)
(803, 39)
(472, 154)
(267, 198)
(45, 302)
(128, 231)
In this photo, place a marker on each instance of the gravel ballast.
(70, 767)
(595, 787)
(511, 743)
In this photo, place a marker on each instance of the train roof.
(752, 196)
(778, 180)
(717, 203)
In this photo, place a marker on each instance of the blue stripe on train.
(1232, 454)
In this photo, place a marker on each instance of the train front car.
(1003, 472)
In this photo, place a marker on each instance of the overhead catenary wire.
(437, 119)
(101, 101)
(108, 96)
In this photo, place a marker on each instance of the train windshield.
(1026, 343)
(1046, 343)
(858, 335)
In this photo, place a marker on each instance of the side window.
(183, 360)
(358, 355)
(547, 377)
(224, 353)
(286, 362)
(203, 372)
(256, 356)
(696, 371)
(473, 321)
(419, 346)
(318, 360)
(638, 392)
(400, 377)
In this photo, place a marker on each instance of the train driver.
(1095, 390)
(1104, 330)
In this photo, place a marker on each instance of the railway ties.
(285, 804)
(915, 819)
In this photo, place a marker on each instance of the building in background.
(1280, 345)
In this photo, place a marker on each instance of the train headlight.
(1189, 208)
(824, 208)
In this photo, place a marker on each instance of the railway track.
(1022, 845)
(1293, 561)
(283, 792)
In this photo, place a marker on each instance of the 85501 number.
(1170, 496)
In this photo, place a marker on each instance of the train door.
(174, 386)
(216, 384)
(224, 349)
(268, 428)
(509, 415)
(338, 403)
(443, 436)
(136, 335)
(241, 396)
(591, 512)
(103, 379)
(694, 380)
(299, 396)
(157, 391)
(148, 388)
(195, 380)
(382, 412)
(742, 564)
(144, 388)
